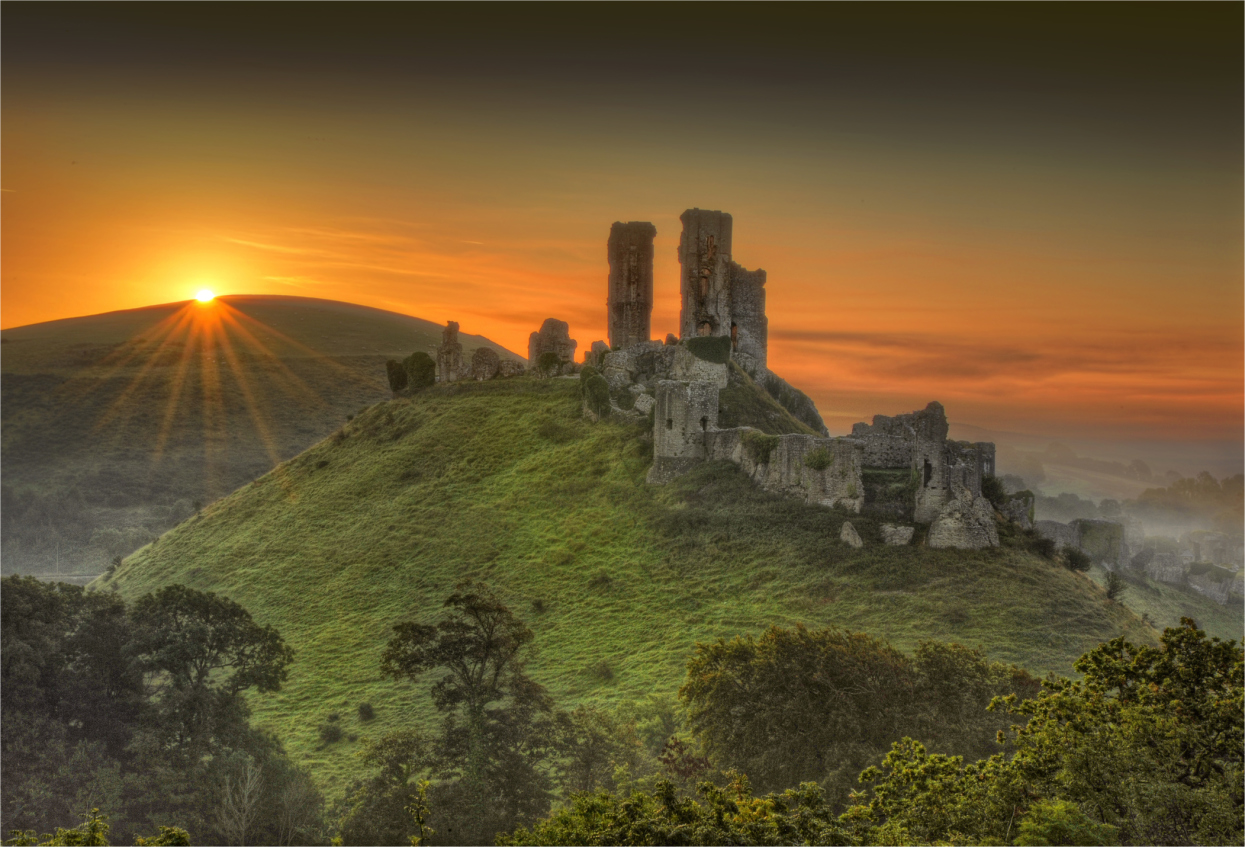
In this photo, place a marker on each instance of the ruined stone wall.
(450, 355)
(889, 442)
(629, 303)
(749, 326)
(934, 491)
(684, 414)
(793, 465)
(705, 285)
(968, 462)
(554, 337)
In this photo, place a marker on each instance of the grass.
(1164, 605)
(506, 483)
(85, 401)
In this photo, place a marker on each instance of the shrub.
(819, 459)
(596, 392)
(759, 445)
(711, 348)
(366, 712)
(330, 733)
(587, 372)
(421, 370)
(992, 489)
(397, 375)
(538, 606)
(1075, 560)
(602, 671)
(1062, 822)
(548, 363)
(1115, 586)
(1043, 546)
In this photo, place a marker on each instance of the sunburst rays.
(241, 374)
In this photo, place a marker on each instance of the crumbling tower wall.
(749, 326)
(450, 355)
(630, 300)
(720, 297)
(705, 285)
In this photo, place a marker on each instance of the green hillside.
(113, 426)
(504, 482)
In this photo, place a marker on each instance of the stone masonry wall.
(684, 414)
(786, 469)
(629, 303)
(705, 286)
(749, 326)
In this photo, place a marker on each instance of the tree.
(1148, 743)
(397, 375)
(238, 801)
(199, 651)
(729, 815)
(421, 370)
(1075, 559)
(496, 721)
(798, 704)
(1115, 586)
(376, 808)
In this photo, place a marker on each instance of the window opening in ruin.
(704, 424)
(669, 423)
(704, 287)
(734, 336)
(704, 328)
(711, 248)
(929, 473)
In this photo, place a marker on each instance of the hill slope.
(114, 425)
(505, 482)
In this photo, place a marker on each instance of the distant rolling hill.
(115, 426)
(504, 481)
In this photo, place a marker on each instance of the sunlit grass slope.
(124, 418)
(505, 482)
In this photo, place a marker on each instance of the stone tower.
(719, 296)
(705, 254)
(450, 355)
(630, 303)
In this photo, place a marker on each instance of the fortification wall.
(826, 471)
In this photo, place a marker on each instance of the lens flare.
(204, 295)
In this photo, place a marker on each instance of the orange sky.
(1035, 261)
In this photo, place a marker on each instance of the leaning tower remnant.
(450, 354)
(721, 297)
(630, 302)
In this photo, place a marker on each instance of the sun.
(204, 296)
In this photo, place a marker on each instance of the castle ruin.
(630, 299)
(718, 296)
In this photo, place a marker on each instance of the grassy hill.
(113, 426)
(505, 482)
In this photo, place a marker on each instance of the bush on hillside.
(366, 711)
(759, 445)
(596, 392)
(548, 363)
(421, 370)
(1075, 560)
(992, 489)
(397, 376)
(711, 348)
